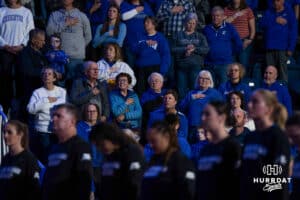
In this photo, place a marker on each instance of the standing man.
(280, 35)
(224, 42)
(75, 32)
(69, 169)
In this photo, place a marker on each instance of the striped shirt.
(241, 21)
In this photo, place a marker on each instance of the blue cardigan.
(132, 112)
(194, 107)
(160, 114)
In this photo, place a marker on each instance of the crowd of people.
(146, 100)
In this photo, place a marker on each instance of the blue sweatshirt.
(132, 112)
(277, 36)
(106, 38)
(83, 131)
(228, 87)
(223, 42)
(194, 107)
(99, 16)
(154, 55)
(135, 25)
(155, 4)
(291, 3)
(282, 94)
(57, 60)
(160, 114)
(196, 149)
(150, 95)
(252, 4)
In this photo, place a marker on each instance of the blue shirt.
(229, 87)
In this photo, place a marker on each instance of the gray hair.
(206, 72)
(155, 74)
(87, 64)
(217, 9)
(191, 16)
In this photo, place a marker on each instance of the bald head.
(270, 74)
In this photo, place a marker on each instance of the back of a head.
(172, 120)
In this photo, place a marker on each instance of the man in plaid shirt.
(172, 14)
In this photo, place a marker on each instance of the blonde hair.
(240, 66)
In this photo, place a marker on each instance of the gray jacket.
(74, 38)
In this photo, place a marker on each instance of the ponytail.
(280, 115)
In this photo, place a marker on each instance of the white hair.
(206, 72)
(155, 74)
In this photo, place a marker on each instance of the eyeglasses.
(94, 69)
(204, 78)
(122, 80)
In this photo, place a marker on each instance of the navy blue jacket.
(228, 87)
(282, 94)
(223, 42)
(160, 114)
(193, 107)
(277, 36)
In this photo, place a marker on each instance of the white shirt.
(15, 25)
(40, 106)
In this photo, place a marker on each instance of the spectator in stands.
(125, 104)
(75, 32)
(235, 74)
(111, 30)
(252, 4)
(239, 130)
(190, 48)
(96, 11)
(203, 139)
(91, 117)
(172, 14)
(169, 107)
(280, 34)
(15, 23)
(281, 90)
(19, 169)
(133, 14)
(111, 65)
(90, 90)
(202, 10)
(152, 54)
(240, 15)
(224, 43)
(56, 57)
(196, 99)
(294, 4)
(40, 105)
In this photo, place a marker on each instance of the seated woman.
(19, 169)
(152, 53)
(190, 48)
(113, 30)
(40, 105)
(169, 107)
(125, 105)
(111, 65)
(196, 99)
(235, 73)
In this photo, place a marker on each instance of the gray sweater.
(74, 38)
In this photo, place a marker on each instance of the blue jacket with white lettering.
(169, 176)
(242, 87)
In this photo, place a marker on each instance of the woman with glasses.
(219, 161)
(125, 104)
(196, 99)
(40, 104)
(19, 169)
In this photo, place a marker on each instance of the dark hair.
(172, 120)
(141, 2)
(21, 128)
(293, 120)
(8, 4)
(56, 35)
(34, 32)
(118, 51)
(122, 74)
(85, 108)
(240, 95)
(70, 108)
(153, 20)
(105, 26)
(47, 67)
(220, 107)
(243, 5)
(163, 128)
(173, 93)
(108, 131)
